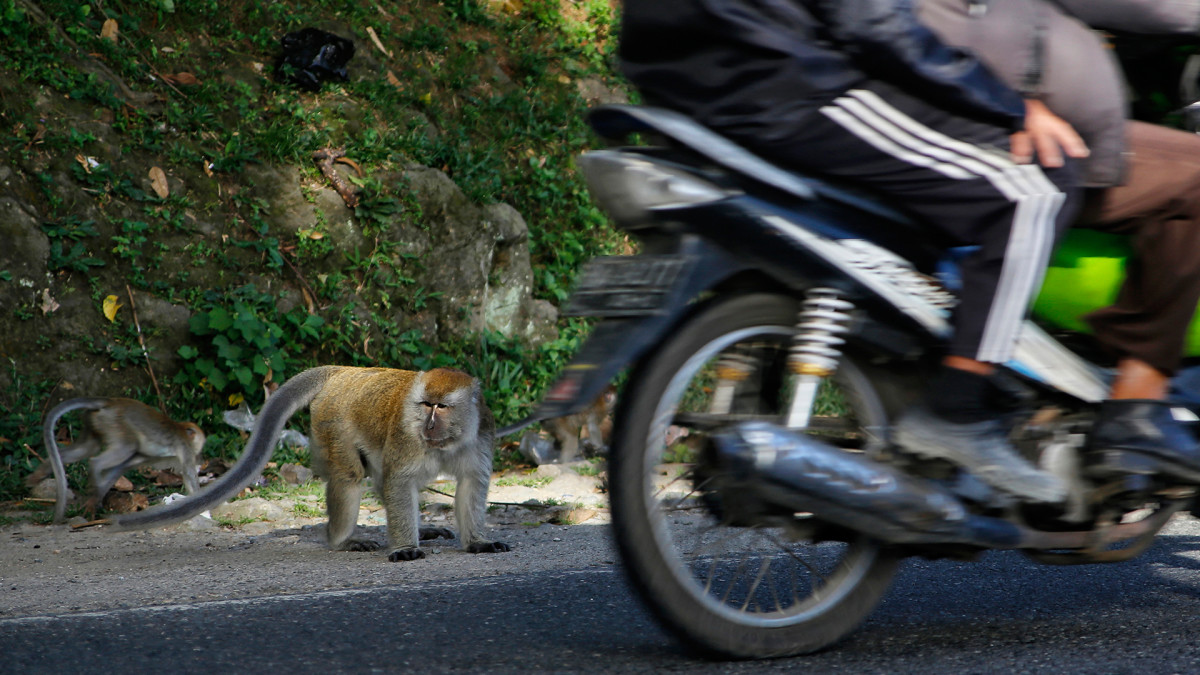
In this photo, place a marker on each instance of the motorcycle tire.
(735, 589)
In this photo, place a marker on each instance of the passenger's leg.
(1146, 327)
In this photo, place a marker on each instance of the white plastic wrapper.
(242, 418)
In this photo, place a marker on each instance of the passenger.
(1142, 180)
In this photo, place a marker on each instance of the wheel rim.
(753, 576)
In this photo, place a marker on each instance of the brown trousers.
(1159, 205)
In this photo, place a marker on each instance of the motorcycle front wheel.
(770, 587)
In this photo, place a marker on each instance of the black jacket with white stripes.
(759, 68)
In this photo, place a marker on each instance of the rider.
(858, 89)
(1142, 180)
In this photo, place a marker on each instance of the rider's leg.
(956, 175)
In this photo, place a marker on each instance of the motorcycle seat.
(617, 122)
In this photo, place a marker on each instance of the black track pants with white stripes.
(956, 175)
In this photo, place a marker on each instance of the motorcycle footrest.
(1115, 463)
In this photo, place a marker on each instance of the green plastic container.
(1084, 275)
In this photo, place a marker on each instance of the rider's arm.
(887, 42)
(1154, 17)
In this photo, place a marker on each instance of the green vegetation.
(487, 95)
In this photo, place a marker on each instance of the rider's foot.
(981, 448)
(1141, 436)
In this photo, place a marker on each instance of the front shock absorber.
(815, 351)
(732, 369)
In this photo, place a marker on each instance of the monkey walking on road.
(399, 427)
(119, 433)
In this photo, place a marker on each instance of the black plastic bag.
(312, 57)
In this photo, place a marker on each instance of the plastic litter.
(242, 418)
(312, 57)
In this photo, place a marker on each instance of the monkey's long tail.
(51, 446)
(295, 394)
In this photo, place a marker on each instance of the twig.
(522, 505)
(325, 159)
(90, 523)
(312, 296)
(33, 452)
(142, 341)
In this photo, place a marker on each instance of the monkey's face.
(437, 427)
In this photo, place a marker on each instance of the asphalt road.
(1003, 614)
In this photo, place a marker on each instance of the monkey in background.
(596, 420)
(399, 427)
(118, 434)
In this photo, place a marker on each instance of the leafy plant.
(243, 345)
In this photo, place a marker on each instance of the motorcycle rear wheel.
(742, 590)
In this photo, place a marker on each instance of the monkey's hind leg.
(342, 499)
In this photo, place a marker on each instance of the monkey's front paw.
(488, 547)
(406, 554)
(435, 532)
(361, 545)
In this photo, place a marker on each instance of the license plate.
(625, 286)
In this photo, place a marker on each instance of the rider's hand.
(1047, 134)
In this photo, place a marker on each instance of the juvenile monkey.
(399, 427)
(119, 433)
(596, 419)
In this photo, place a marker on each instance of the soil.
(554, 519)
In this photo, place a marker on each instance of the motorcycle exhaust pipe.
(793, 470)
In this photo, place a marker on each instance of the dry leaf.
(48, 303)
(393, 80)
(123, 484)
(109, 30)
(110, 308)
(375, 39)
(158, 181)
(185, 79)
(506, 6)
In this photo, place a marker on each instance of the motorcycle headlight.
(629, 187)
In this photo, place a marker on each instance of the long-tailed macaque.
(399, 427)
(119, 433)
(595, 420)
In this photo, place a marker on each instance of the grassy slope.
(499, 85)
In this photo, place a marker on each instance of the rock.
(294, 474)
(198, 523)
(47, 490)
(254, 508)
(126, 502)
(577, 516)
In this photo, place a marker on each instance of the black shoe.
(983, 449)
(1141, 437)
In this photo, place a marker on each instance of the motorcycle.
(775, 324)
